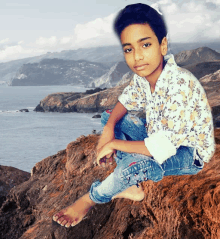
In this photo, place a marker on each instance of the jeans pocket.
(144, 170)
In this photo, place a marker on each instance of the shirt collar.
(166, 74)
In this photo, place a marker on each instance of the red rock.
(176, 207)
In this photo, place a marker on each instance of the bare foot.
(73, 214)
(134, 193)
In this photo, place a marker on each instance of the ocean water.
(27, 138)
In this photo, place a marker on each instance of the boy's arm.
(138, 147)
(125, 146)
(108, 131)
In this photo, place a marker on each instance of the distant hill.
(58, 72)
(199, 55)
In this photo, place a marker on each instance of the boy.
(177, 135)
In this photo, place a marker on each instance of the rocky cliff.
(176, 207)
(10, 177)
(80, 102)
(113, 76)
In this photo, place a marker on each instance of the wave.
(9, 111)
(15, 111)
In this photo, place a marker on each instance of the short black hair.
(140, 14)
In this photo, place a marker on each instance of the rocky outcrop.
(81, 102)
(9, 178)
(176, 207)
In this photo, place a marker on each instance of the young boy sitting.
(177, 136)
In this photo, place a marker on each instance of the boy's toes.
(63, 223)
(76, 221)
(57, 216)
(68, 224)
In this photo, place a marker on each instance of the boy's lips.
(140, 67)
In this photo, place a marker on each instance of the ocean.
(28, 137)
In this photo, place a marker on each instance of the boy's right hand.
(107, 136)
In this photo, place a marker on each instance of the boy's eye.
(127, 50)
(146, 44)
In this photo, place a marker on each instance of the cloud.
(47, 42)
(17, 52)
(94, 29)
(217, 2)
(4, 41)
(191, 20)
(187, 21)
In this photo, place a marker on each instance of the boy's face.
(142, 51)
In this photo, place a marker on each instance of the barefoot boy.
(176, 138)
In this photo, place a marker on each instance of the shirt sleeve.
(133, 97)
(176, 118)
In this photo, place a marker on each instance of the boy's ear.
(164, 46)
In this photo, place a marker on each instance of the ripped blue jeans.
(134, 168)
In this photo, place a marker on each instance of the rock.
(96, 116)
(58, 102)
(9, 178)
(81, 102)
(176, 207)
(24, 110)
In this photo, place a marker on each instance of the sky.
(32, 28)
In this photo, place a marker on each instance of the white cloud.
(47, 42)
(217, 2)
(191, 21)
(172, 8)
(96, 28)
(67, 40)
(4, 41)
(17, 52)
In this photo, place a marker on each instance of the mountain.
(200, 61)
(178, 47)
(198, 55)
(113, 76)
(107, 55)
(202, 69)
(58, 72)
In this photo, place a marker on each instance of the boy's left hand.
(105, 150)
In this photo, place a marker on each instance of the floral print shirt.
(177, 112)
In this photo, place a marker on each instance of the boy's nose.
(138, 55)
